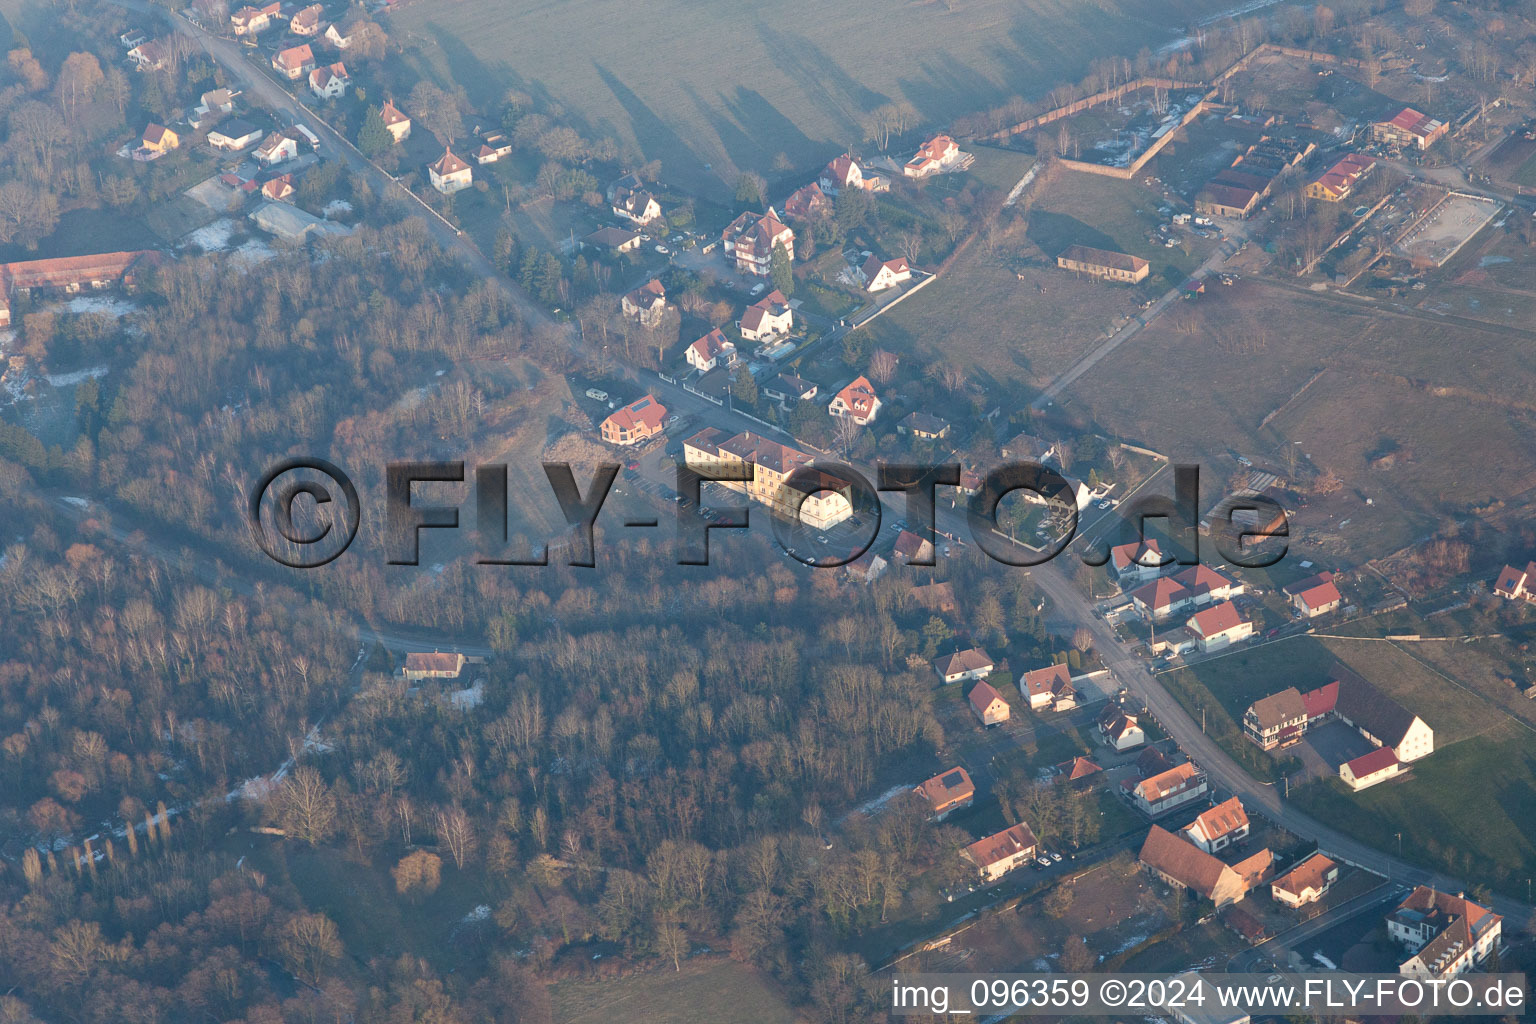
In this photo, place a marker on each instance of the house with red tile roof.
(1409, 129)
(947, 791)
(1219, 827)
(307, 21)
(1079, 769)
(1219, 626)
(710, 351)
(1166, 790)
(638, 421)
(1305, 883)
(450, 174)
(68, 274)
(159, 139)
(1119, 730)
(276, 148)
(1135, 562)
(1049, 688)
(987, 704)
(857, 402)
(1281, 718)
(768, 317)
(939, 153)
(911, 548)
(493, 146)
(294, 62)
(808, 203)
(646, 303)
(396, 123)
(1314, 596)
(1104, 264)
(248, 21)
(1371, 769)
(1184, 865)
(278, 189)
(878, 274)
(1516, 584)
(1337, 182)
(749, 241)
(844, 172)
(1448, 935)
(999, 854)
(329, 82)
(1161, 598)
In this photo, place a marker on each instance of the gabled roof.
(1225, 818)
(1377, 760)
(982, 696)
(391, 114)
(611, 237)
(859, 397)
(875, 264)
(1166, 783)
(648, 294)
(841, 169)
(1512, 581)
(1011, 842)
(1182, 861)
(155, 134)
(295, 56)
(1216, 619)
(1321, 701)
(1370, 709)
(1278, 709)
(1147, 555)
(924, 422)
(433, 661)
(1103, 258)
(1202, 579)
(711, 345)
(1319, 596)
(973, 659)
(910, 546)
(1052, 679)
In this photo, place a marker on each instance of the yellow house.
(160, 139)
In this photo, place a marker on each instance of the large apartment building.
(822, 500)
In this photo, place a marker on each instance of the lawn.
(746, 85)
(1469, 810)
(705, 991)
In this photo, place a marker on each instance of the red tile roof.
(646, 413)
(1216, 619)
(1377, 760)
(1010, 842)
(448, 164)
(1226, 817)
(982, 695)
(947, 788)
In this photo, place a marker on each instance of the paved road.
(1373, 901)
(1212, 264)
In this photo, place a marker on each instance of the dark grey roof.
(1368, 708)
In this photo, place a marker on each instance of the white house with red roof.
(1448, 934)
(330, 82)
(1305, 883)
(1218, 828)
(710, 351)
(294, 62)
(1368, 770)
(449, 174)
(1049, 688)
(276, 148)
(939, 153)
(857, 402)
(972, 663)
(750, 239)
(636, 206)
(1121, 731)
(1314, 596)
(395, 122)
(493, 146)
(878, 274)
(844, 172)
(1135, 562)
(1219, 626)
(248, 21)
(638, 421)
(768, 317)
(1516, 584)
(646, 303)
(807, 203)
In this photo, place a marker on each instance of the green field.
(1526, 175)
(706, 991)
(737, 83)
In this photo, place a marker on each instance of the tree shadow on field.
(749, 106)
(657, 139)
(947, 87)
(836, 91)
(1053, 232)
(740, 148)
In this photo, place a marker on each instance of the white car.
(663, 250)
